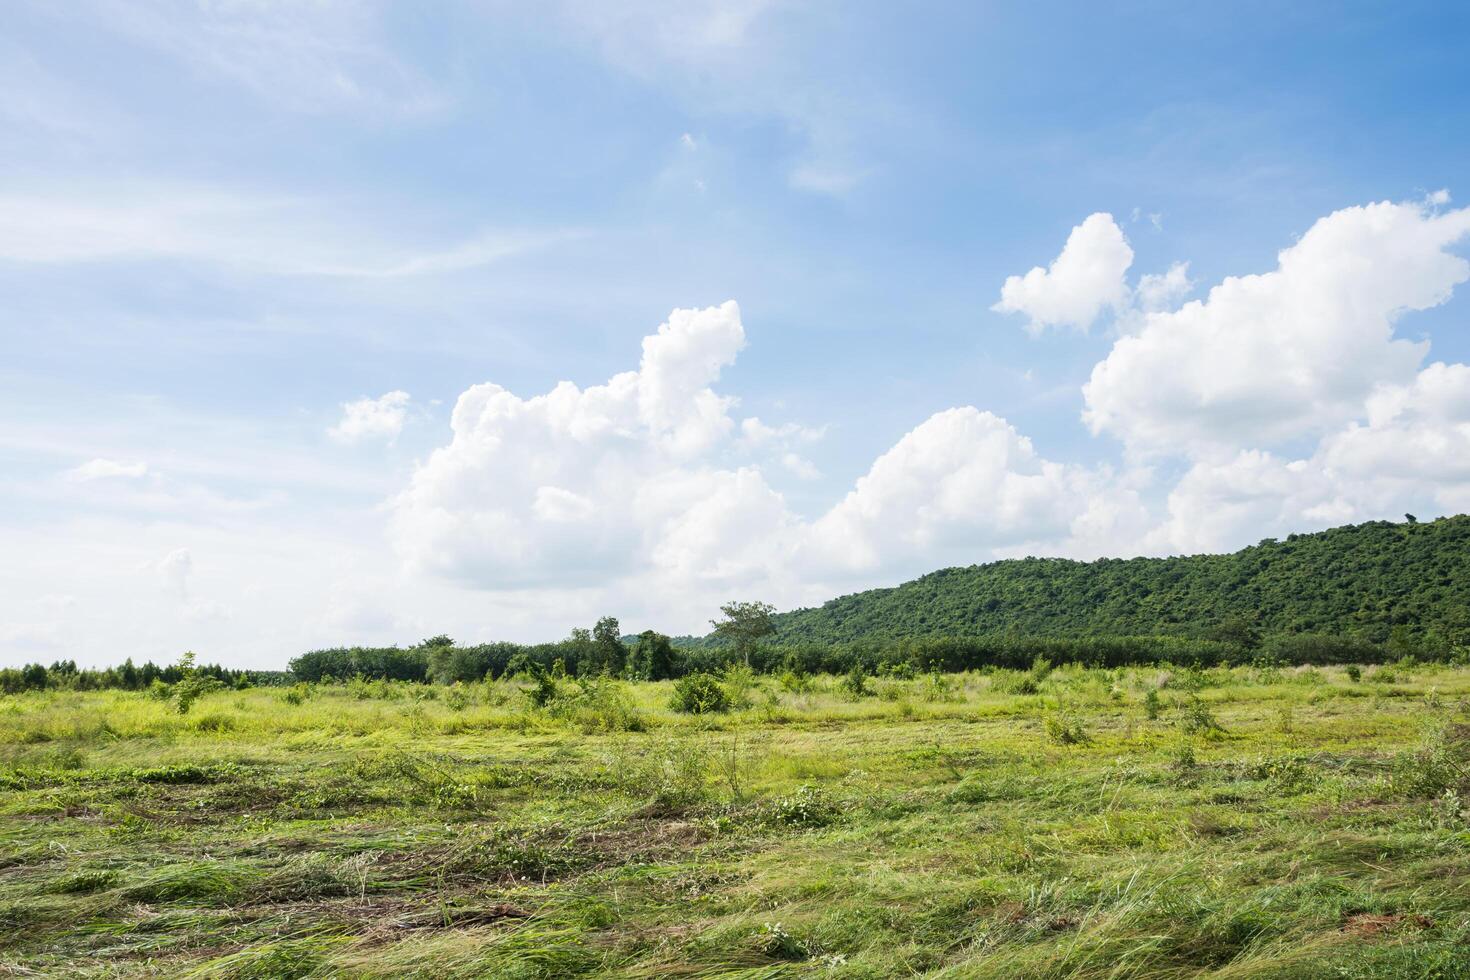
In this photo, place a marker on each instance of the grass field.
(1245, 822)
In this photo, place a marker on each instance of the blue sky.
(230, 233)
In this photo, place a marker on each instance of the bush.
(739, 682)
(1198, 719)
(855, 684)
(794, 683)
(699, 694)
(600, 705)
(543, 690)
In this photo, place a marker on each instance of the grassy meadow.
(1140, 822)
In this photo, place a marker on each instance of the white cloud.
(1415, 443)
(622, 482)
(578, 484)
(1164, 291)
(1085, 279)
(1289, 353)
(233, 228)
(756, 434)
(103, 469)
(962, 486)
(372, 418)
(1227, 503)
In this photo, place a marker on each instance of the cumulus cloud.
(1412, 453)
(1085, 279)
(104, 469)
(577, 484)
(624, 481)
(1415, 442)
(372, 418)
(1227, 503)
(1289, 353)
(960, 486)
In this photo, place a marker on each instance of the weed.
(808, 806)
(778, 944)
(1062, 729)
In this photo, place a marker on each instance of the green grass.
(1268, 823)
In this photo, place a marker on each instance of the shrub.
(794, 682)
(1354, 673)
(1198, 720)
(1152, 706)
(543, 690)
(739, 680)
(938, 687)
(599, 705)
(855, 684)
(699, 694)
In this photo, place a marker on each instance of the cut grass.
(1072, 822)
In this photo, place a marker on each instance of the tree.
(609, 653)
(35, 676)
(580, 650)
(744, 624)
(653, 657)
(1239, 630)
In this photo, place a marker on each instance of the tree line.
(653, 656)
(65, 675)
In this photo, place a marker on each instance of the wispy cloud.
(103, 469)
(260, 233)
(323, 56)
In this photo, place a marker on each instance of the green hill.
(1364, 580)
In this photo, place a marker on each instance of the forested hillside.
(1364, 580)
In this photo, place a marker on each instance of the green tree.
(1239, 630)
(745, 624)
(652, 658)
(580, 651)
(609, 654)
